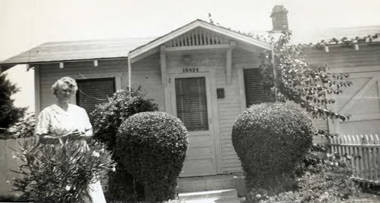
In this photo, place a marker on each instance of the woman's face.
(64, 93)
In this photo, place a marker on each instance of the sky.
(28, 23)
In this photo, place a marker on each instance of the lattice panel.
(197, 37)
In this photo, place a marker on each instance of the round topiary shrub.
(152, 146)
(106, 120)
(270, 140)
(107, 117)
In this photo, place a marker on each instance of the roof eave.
(5, 63)
(197, 23)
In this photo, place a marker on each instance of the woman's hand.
(77, 135)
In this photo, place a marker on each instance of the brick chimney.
(279, 19)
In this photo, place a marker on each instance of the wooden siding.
(49, 73)
(361, 64)
(146, 73)
(345, 57)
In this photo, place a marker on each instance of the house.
(206, 75)
(195, 72)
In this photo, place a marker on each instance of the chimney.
(279, 19)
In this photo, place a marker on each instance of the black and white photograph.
(202, 101)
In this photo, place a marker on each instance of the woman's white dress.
(54, 120)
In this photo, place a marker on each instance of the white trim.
(240, 70)
(243, 104)
(164, 78)
(199, 47)
(129, 74)
(37, 88)
(198, 23)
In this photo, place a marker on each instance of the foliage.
(295, 79)
(60, 173)
(9, 114)
(152, 146)
(345, 41)
(107, 117)
(325, 177)
(122, 186)
(23, 128)
(270, 140)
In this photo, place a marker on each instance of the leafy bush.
(152, 146)
(325, 178)
(23, 128)
(107, 117)
(270, 140)
(9, 114)
(60, 173)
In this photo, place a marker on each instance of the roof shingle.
(77, 50)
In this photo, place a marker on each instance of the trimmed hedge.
(152, 146)
(270, 140)
(107, 117)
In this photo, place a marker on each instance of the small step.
(204, 183)
(217, 196)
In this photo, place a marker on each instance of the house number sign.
(190, 70)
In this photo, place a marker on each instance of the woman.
(62, 121)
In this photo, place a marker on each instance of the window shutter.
(191, 103)
(94, 91)
(254, 89)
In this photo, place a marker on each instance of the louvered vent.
(197, 37)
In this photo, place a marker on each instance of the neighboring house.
(362, 100)
(204, 74)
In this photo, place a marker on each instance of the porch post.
(229, 62)
(129, 74)
(164, 78)
(37, 89)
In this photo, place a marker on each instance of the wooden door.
(191, 102)
(362, 102)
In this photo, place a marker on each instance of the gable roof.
(116, 48)
(194, 24)
(77, 50)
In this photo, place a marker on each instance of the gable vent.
(197, 37)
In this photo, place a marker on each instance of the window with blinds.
(191, 102)
(254, 89)
(94, 91)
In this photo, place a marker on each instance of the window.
(191, 102)
(94, 91)
(254, 90)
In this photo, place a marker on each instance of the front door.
(191, 102)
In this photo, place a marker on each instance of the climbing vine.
(291, 77)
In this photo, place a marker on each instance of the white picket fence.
(365, 153)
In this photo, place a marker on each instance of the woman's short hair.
(70, 82)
